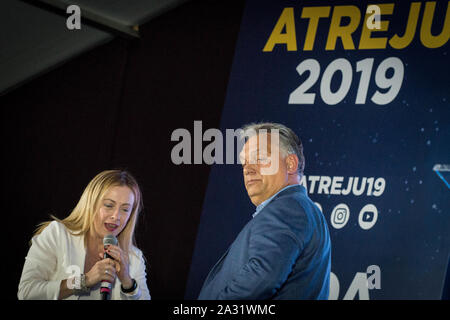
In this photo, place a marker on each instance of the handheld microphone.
(106, 286)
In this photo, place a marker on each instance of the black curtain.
(116, 107)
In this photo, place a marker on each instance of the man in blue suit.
(284, 252)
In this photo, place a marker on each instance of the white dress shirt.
(52, 256)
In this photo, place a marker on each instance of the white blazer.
(55, 253)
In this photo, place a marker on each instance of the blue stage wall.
(372, 107)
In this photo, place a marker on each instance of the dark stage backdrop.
(116, 107)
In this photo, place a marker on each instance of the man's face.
(264, 169)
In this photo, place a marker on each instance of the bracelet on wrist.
(80, 285)
(133, 287)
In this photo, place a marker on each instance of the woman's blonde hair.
(81, 219)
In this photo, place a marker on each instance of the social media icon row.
(341, 213)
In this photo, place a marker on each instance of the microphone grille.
(109, 239)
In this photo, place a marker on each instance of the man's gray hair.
(289, 141)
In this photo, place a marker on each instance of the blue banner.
(366, 88)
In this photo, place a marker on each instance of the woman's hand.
(122, 265)
(103, 270)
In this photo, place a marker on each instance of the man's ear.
(292, 164)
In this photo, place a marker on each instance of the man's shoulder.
(289, 202)
(291, 197)
(292, 191)
(291, 206)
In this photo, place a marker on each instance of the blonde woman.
(65, 260)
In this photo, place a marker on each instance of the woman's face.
(114, 210)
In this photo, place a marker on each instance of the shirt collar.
(266, 202)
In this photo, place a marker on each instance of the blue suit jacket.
(284, 252)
